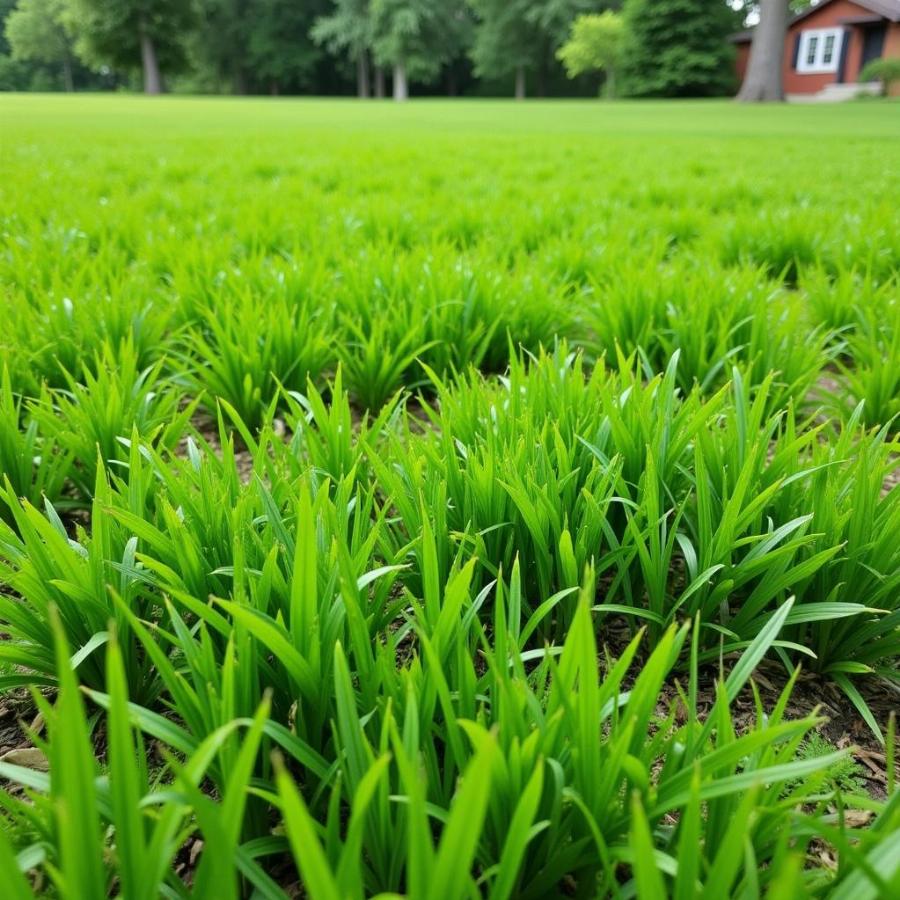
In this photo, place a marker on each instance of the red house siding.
(828, 17)
(831, 15)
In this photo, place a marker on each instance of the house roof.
(882, 9)
(887, 9)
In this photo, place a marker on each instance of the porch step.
(836, 93)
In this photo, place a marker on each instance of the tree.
(505, 41)
(749, 9)
(281, 51)
(221, 40)
(884, 69)
(149, 35)
(348, 29)
(763, 79)
(12, 72)
(552, 19)
(256, 45)
(37, 31)
(594, 44)
(416, 37)
(678, 48)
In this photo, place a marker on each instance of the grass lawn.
(449, 499)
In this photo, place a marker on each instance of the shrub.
(887, 71)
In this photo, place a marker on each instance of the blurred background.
(374, 47)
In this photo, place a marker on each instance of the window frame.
(820, 36)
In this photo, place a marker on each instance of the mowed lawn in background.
(186, 203)
(433, 479)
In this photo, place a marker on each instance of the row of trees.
(663, 47)
(275, 45)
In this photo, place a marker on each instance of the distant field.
(544, 218)
(471, 455)
(722, 118)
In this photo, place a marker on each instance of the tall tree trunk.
(362, 75)
(542, 75)
(152, 76)
(451, 83)
(763, 79)
(68, 79)
(239, 82)
(520, 82)
(609, 88)
(274, 88)
(401, 88)
(379, 82)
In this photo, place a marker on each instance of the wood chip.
(28, 757)
(856, 818)
(871, 762)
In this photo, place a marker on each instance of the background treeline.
(370, 47)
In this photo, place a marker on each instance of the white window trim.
(818, 66)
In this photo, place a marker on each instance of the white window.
(820, 50)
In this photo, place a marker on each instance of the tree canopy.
(282, 52)
(347, 29)
(595, 44)
(419, 35)
(505, 39)
(38, 30)
(677, 48)
(669, 47)
(134, 34)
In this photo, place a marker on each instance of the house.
(827, 46)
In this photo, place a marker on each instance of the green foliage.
(100, 411)
(885, 70)
(872, 378)
(347, 27)
(243, 353)
(846, 773)
(37, 49)
(504, 38)
(279, 46)
(520, 36)
(595, 44)
(554, 17)
(529, 434)
(109, 31)
(522, 813)
(251, 46)
(678, 48)
(280, 49)
(38, 30)
(420, 35)
(32, 464)
(220, 42)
